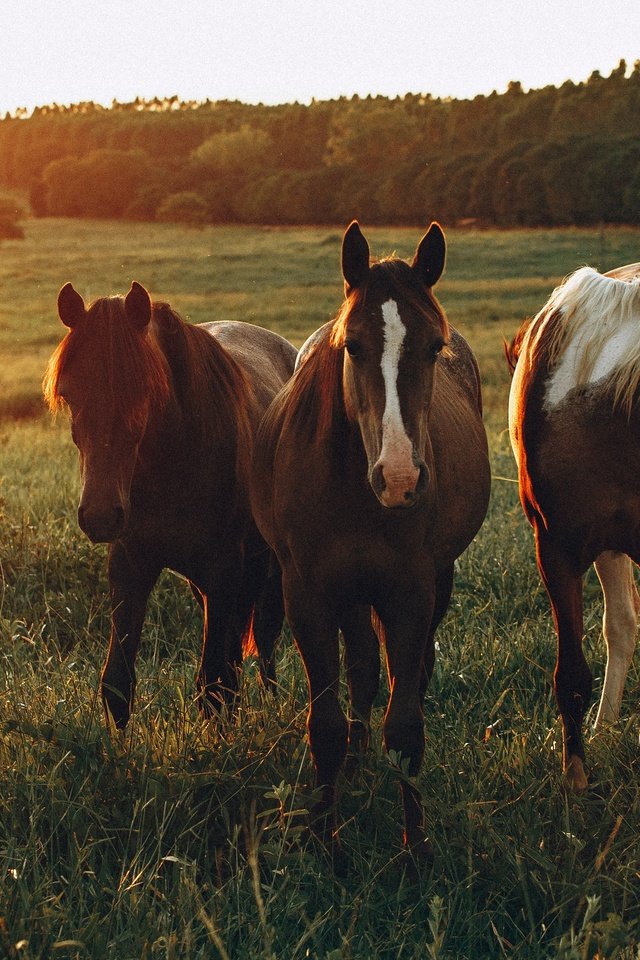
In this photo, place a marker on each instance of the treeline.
(553, 156)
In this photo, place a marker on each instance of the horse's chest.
(358, 553)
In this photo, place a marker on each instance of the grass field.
(182, 840)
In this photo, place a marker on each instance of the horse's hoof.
(574, 775)
(117, 710)
(333, 852)
(416, 861)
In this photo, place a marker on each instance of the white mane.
(597, 335)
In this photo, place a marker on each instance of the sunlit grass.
(180, 839)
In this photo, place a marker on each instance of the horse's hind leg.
(130, 584)
(362, 661)
(621, 608)
(572, 677)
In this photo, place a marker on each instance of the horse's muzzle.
(399, 491)
(102, 526)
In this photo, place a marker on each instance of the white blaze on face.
(396, 456)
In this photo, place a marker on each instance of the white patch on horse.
(565, 377)
(603, 317)
(396, 455)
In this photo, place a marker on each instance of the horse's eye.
(436, 349)
(353, 348)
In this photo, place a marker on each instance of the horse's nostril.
(102, 526)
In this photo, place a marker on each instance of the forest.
(555, 156)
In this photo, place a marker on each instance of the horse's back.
(629, 272)
(264, 356)
(312, 342)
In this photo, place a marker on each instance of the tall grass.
(179, 839)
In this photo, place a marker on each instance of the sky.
(280, 51)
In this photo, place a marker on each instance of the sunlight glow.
(275, 51)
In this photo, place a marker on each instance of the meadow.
(181, 839)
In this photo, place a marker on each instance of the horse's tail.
(249, 644)
(512, 350)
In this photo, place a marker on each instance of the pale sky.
(278, 51)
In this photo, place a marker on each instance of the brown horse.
(371, 477)
(164, 414)
(575, 431)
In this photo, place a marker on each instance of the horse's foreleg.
(621, 608)
(217, 680)
(130, 585)
(444, 586)
(362, 661)
(572, 677)
(315, 630)
(406, 622)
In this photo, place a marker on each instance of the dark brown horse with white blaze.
(575, 429)
(371, 477)
(164, 415)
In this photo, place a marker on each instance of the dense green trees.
(550, 156)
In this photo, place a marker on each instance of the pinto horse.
(575, 431)
(371, 476)
(164, 415)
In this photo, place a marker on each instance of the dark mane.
(312, 399)
(211, 390)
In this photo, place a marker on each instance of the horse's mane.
(311, 401)
(560, 322)
(210, 386)
(143, 368)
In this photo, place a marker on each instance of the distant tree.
(102, 184)
(362, 137)
(555, 155)
(185, 207)
(240, 151)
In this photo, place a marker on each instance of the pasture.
(181, 839)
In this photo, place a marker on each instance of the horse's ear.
(137, 305)
(428, 262)
(70, 306)
(355, 257)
